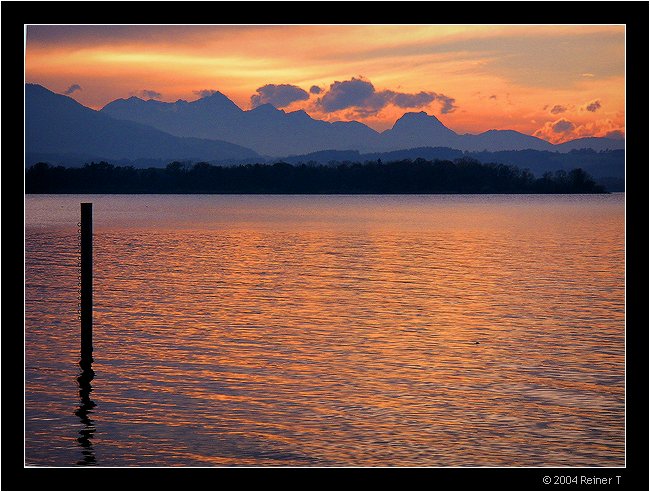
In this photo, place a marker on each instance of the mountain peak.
(213, 96)
(417, 114)
(417, 122)
(418, 129)
(300, 114)
(35, 87)
(36, 94)
(217, 100)
(58, 125)
(419, 117)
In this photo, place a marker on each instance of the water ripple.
(331, 331)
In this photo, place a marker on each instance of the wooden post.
(86, 282)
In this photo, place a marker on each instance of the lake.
(439, 330)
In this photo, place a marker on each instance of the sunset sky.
(555, 82)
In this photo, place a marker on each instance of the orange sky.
(556, 82)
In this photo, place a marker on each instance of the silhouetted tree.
(465, 175)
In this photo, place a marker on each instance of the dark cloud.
(314, 89)
(593, 106)
(563, 126)
(448, 103)
(361, 94)
(557, 109)
(72, 88)
(150, 94)
(413, 100)
(146, 94)
(204, 93)
(278, 95)
(492, 97)
(346, 94)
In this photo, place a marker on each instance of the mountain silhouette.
(213, 128)
(419, 130)
(265, 129)
(205, 118)
(274, 132)
(496, 140)
(58, 125)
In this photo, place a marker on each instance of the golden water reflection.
(341, 331)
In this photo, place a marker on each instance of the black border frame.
(633, 14)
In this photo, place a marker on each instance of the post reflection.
(85, 408)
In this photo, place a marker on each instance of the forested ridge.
(374, 177)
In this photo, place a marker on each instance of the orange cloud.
(592, 106)
(563, 130)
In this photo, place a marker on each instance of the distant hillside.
(598, 164)
(56, 126)
(592, 143)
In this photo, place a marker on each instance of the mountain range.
(58, 126)
(267, 130)
(215, 129)
(274, 132)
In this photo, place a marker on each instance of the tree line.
(398, 177)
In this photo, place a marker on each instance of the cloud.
(448, 103)
(361, 94)
(493, 96)
(557, 131)
(146, 94)
(150, 94)
(593, 106)
(346, 94)
(204, 93)
(412, 100)
(598, 128)
(563, 130)
(314, 89)
(562, 126)
(557, 109)
(587, 75)
(278, 95)
(72, 88)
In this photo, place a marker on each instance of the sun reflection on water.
(331, 331)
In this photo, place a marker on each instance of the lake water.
(329, 331)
